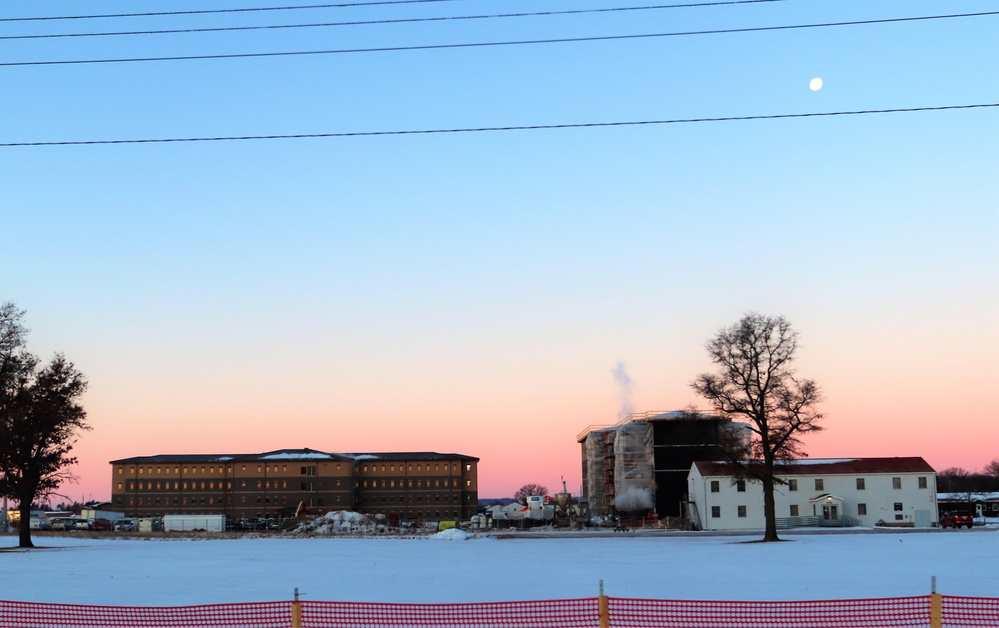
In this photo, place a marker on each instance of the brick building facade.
(412, 486)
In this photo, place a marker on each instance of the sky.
(495, 293)
(156, 572)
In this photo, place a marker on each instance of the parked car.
(956, 520)
(62, 523)
(126, 525)
(102, 525)
(38, 523)
(81, 524)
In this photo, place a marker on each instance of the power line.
(248, 55)
(210, 11)
(311, 6)
(392, 21)
(535, 127)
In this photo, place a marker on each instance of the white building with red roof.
(817, 492)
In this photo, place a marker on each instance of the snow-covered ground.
(454, 567)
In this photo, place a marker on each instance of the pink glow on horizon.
(540, 453)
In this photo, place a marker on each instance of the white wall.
(878, 495)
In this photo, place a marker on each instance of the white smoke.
(634, 499)
(620, 373)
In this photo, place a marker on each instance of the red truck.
(956, 520)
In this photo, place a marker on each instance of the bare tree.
(528, 490)
(756, 381)
(40, 415)
(992, 468)
(954, 480)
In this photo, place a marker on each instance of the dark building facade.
(412, 486)
(649, 453)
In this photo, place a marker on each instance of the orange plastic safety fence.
(905, 612)
(40, 615)
(970, 612)
(580, 613)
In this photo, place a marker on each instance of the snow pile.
(453, 534)
(339, 522)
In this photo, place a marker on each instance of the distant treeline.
(957, 480)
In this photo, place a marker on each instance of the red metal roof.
(838, 466)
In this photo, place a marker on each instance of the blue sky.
(473, 292)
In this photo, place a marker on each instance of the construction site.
(636, 470)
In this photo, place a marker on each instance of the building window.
(896, 483)
(861, 484)
(922, 482)
(468, 482)
(861, 509)
(819, 484)
(899, 517)
(740, 486)
(794, 510)
(715, 487)
(741, 510)
(468, 467)
(715, 512)
(792, 485)
(898, 506)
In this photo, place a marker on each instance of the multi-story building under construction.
(640, 464)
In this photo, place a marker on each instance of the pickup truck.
(956, 520)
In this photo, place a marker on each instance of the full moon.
(815, 84)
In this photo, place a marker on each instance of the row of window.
(792, 484)
(388, 499)
(303, 470)
(211, 501)
(211, 485)
(419, 483)
(794, 511)
(391, 468)
(279, 484)
(221, 470)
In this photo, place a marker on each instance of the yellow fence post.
(296, 612)
(936, 606)
(603, 608)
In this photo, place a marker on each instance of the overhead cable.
(210, 11)
(221, 29)
(307, 6)
(247, 55)
(535, 127)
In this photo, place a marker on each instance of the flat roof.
(287, 454)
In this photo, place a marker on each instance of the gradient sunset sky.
(484, 293)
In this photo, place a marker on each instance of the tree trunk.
(769, 508)
(24, 527)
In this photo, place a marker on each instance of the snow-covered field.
(452, 568)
